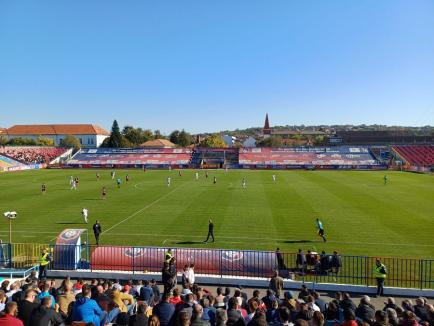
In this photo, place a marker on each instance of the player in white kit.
(274, 178)
(197, 175)
(84, 212)
(169, 180)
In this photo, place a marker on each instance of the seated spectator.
(3, 299)
(176, 297)
(304, 293)
(154, 321)
(45, 315)
(311, 303)
(7, 316)
(380, 318)
(219, 299)
(146, 293)
(349, 318)
(408, 319)
(392, 316)
(346, 303)
(285, 316)
(208, 311)
(122, 319)
(86, 309)
(332, 312)
(124, 301)
(319, 302)
(389, 303)
(317, 319)
(420, 309)
(365, 311)
(259, 319)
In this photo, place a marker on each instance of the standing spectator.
(45, 315)
(146, 293)
(140, 318)
(184, 278)
(43, 263)
(156, 290)
(221, 317)
(336, 262)
(234, 315)
(208, 311)
(86, 309)
(301, 260)
(164, 310)
(191, 276)
(65, 299)
(280, 261)
(166, 278)
(7, 317)
(26, 307)
(196, 319)
(380, 274)
(276, 284)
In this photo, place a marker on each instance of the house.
(158, 143)
(229, 140)
(89, 135)
(249, 142)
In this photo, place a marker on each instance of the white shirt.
(190, 275)
(84, 212)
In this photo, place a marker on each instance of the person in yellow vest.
(380, 274)
(168, 256)
(44, 260)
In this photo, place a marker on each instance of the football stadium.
(197, 163)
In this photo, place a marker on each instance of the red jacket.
(349, 323)
(9, 320)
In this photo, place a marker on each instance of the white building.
(89, 135)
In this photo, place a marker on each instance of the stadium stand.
(416, 155)
(6, 163)
(32, 154)
(108, 302)
(128, 157)
(303, 157)
(214, 157)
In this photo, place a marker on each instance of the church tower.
(266, 130)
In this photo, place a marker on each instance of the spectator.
(408, 319)
(347, 303)
(196, 319)
(122, 319)
(336, 262)
(154, 321)
(124, 301)
(365, 311)
(420, 309)
(319, 302)
(221, 317)
(183, 318)
(392, 317)
(156, 289)
(208, 311)
(233, 313)
(284, 316)
(26, 307)
(164, 311)
(66, 299)
(219, 299)
(300, 260)
(176, 298)
(380, 318)
(311, 303)
(45, 315)
(46, 293)
(349, 318)
(332, 312)
(317, 319)
(304, 293)
(276, 284)
(389, 303)
(146, 293)
(3, 299)
(86, 309)
(7, 317)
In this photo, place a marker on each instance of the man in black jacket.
(365, 311)
(210, 231)
(97, 230)
(45, 315)
(27, 306)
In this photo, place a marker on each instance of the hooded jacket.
(86, 310)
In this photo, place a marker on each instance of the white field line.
(142, 209)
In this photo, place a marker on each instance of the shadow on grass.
(189, 242)
(301, 241)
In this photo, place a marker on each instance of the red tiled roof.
(158, 143)
(64, 129)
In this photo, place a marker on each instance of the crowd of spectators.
(37, 155)
(140, 303)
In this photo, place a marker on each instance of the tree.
(44, 141)
(136, 136)
(3, 141)
(273, 141)
(70, 141)
(20, 141)
(184, 139)
(213, 141)
(115, 140)
(174, 136)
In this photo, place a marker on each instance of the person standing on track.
(210, 231)
(320, 229)
(97, 230)
(380, 274)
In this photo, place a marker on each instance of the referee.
(210, 231)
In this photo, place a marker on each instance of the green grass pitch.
(361, 215)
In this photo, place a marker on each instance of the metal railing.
(352, 270)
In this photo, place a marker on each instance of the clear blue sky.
(208, 65)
